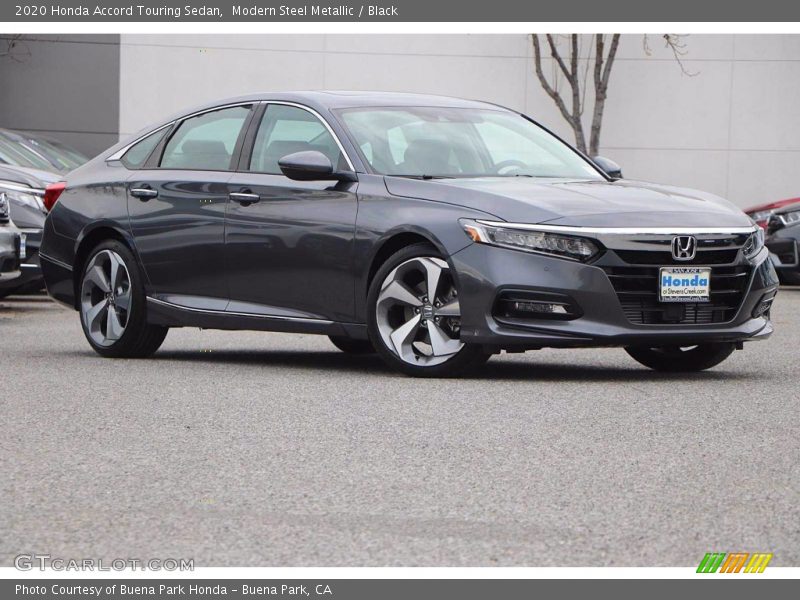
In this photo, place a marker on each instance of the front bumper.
(784, 253)
(9, 254)
(29, 277)
(485, 271)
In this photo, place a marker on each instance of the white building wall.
(733, 129)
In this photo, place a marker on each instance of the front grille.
(637, 290)
(703, 257)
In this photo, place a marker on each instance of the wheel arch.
(394, 242)
(90, 238)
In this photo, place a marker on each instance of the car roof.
(333, 99)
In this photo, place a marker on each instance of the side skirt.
(167, 314)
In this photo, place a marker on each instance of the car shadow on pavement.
(495, 369)
(299, 359)
(11, 306)
(549, 372)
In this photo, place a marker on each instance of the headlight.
(18, 193)
(790, 218)
(754, 244)
(542, 242)
(761, 215)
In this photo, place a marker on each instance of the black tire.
(470, 355)
(682, 359)
(352, 346)
(140, 339)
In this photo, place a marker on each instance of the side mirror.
(311, 165)
(608, 166)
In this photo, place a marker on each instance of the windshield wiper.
(425, 177)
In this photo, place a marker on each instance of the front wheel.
(682, 358)
(112, 305)
(414, 316)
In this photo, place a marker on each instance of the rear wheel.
(112, 305)
(682, 358)
(414, 316)
(351, 346)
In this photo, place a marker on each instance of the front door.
(289, 244)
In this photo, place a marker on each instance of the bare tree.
(605, 52)
(13, 47)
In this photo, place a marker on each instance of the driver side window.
(286, 130)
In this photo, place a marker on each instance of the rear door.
(177, 207)
(289, 244)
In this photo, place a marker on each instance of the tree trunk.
(602, 73)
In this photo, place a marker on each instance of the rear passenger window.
(137, 154)
(286, 130)
(205, 142)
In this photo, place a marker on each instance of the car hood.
(577, 203)
(35, 178)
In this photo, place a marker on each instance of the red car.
(761, 213)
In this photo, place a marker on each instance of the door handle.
(144, 193)
(244, 198)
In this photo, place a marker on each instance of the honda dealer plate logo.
(684, 247)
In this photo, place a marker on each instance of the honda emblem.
(684, 247)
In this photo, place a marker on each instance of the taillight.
(51, 194)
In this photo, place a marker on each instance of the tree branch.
(674, 42)
(537, 61)
(556, 56)
(12, 46)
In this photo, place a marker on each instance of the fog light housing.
(539, 307)
(523, 305)
(764, 305)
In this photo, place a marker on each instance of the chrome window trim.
(121, 152)
(578, 230)
(318, 116)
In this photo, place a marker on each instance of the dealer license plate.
(684, 284)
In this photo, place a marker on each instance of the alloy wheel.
(106, 297)
(418, 314)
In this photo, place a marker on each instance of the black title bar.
(401, 11)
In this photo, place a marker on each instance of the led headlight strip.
(541, 242)
(754, 243)
(790, 218)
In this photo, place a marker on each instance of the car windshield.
(14, 153)
(459, 142)
(60, 155)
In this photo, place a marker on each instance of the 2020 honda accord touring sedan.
(431, 230)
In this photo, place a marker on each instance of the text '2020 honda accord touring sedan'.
(431, 230)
